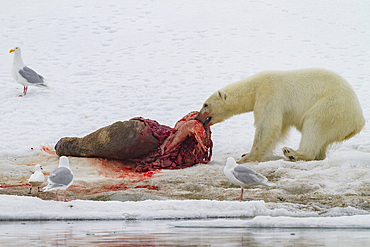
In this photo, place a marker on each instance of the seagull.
(243, 176)
(61, 178)
(24, 75)
(37, 178)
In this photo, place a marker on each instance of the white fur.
(318, 102)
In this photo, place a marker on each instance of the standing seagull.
(61, 178)
(24, 75)
(37, 178)
(243, 176)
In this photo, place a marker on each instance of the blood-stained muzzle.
(204, 118)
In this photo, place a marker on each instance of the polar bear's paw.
(290, 154)
(244, 154)
(245, 158)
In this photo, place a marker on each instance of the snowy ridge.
(31, 208)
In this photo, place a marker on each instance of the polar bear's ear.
(222, 95)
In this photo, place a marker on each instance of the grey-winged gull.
(243, 176)
(37, 178)
(23, 74)
(61, 178)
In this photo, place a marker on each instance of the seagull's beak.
(11, 51)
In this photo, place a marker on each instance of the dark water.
(164, 233)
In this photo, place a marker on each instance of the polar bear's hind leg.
(328, 121)
(290, 154)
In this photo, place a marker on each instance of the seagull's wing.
(32, 178)
(62, 176)
(248, 176)
(31, 76)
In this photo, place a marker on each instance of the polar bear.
(319, 103)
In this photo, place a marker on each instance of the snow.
(30, 208)
(111, 61)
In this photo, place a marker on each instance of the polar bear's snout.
(207, 121)
(204, 117)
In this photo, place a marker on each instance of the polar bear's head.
(215, 109)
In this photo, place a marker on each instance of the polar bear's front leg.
(265, 139)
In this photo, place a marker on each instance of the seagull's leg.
(24, 91)
(241, 195)
(30, 190)
(65, 196)
(56, 195)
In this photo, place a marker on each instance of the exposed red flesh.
(188, 143)
(181, 132)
